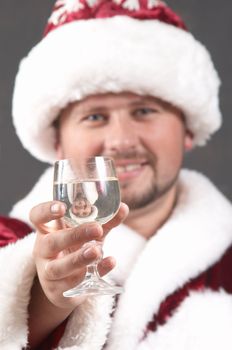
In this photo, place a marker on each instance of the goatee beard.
(152, 194)
(155, 191)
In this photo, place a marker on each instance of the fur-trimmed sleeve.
(17, 271)
(11, 230)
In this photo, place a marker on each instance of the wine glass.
(90, 190)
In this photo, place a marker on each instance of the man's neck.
(146, 221)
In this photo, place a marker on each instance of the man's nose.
(121, 135)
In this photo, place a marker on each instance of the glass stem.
(92, 271)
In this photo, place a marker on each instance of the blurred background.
(21, 26)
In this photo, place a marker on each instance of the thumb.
(47, 217)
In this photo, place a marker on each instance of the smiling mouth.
(128, 168)
(129, 171)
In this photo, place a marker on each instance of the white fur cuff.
(17, 271)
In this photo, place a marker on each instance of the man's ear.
(58, 148)
(188, 141)
(59, 152)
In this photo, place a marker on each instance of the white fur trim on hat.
(116, 54)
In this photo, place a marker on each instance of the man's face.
(146, 138)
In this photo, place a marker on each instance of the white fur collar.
(41, 192)
(202, 322)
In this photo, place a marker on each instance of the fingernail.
(89, 253)
(55, 208)
(92, 228)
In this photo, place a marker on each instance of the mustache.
(126, 154)
(132, 154)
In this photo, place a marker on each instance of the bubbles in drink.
(95, 200)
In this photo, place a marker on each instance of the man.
(125, 80)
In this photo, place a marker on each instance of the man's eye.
(139, 112)
(95, 117)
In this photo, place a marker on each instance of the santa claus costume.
(177, 284)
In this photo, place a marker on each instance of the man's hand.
(60, 257)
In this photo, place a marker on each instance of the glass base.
(93, 286)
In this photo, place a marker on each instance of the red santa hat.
(100, 46)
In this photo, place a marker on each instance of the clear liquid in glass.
(90, 200)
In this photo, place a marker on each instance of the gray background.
(21, 26)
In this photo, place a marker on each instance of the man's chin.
(149, 196)
(138, 202)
